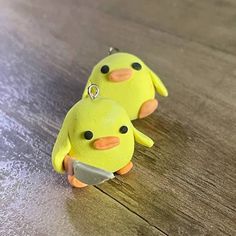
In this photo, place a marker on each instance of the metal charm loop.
(93, 91)
(113, 50)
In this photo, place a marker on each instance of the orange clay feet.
(78, 184)
(68, 161)
(148, 108)
(125, 169)
(75, 182)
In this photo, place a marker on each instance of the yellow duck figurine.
(124, 78)
(99, 133)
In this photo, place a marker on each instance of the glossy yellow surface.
(131, 93)
(104, 118)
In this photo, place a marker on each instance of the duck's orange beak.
(106, 143)
(120, 75)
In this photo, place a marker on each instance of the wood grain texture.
(185, 184)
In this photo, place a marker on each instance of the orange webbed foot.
(75, 182)
(125, 169)
(148, 108)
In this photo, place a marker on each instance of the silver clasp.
(93, 91)
(113, 50)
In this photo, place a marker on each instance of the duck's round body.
(103, 118)
(92, 133)
(126, 79)
(98, 133)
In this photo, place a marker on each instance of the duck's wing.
(158, 84)
(142, 138)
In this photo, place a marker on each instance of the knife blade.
(89, 174)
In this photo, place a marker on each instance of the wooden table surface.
(185, 184)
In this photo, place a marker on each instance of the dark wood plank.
(185, 185)
(211, 23)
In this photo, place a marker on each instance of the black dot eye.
(123, 129)
(88, 135)
(105, 69)
(136, 66)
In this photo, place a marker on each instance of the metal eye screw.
(93, 91)
(113, 50)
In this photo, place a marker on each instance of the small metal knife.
(90, 175)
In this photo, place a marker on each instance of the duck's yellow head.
(127, 70)
(98, 133)
(119, 67)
